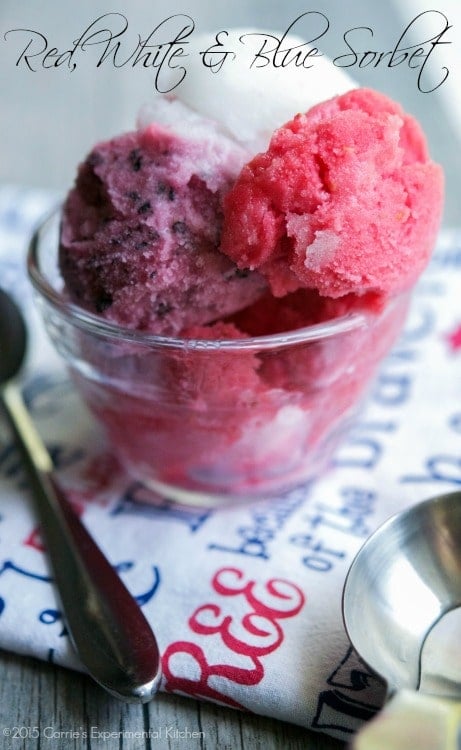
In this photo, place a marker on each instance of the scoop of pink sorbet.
(141, 231)
(345, 200)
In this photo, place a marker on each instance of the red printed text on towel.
(238, 629)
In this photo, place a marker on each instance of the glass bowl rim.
(94, 324)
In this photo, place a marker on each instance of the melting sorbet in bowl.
(222, 313)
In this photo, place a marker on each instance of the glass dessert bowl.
(208, 421)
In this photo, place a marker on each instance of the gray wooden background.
(49, 118)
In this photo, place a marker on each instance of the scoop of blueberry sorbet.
(141, 230)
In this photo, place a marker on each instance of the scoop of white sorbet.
(248, 98)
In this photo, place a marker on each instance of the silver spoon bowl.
(112, 637)
(401, 586)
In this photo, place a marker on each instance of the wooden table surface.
(43, 707)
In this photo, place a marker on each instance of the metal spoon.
(110, 633)
(400, 588)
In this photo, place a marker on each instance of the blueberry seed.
(135, 159)
(145, 208)
(103, 301)
(162, 309)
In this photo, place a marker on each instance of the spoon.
(109, 632)
(402, 585)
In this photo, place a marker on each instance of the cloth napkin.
(245, 601)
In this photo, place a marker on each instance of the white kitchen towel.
(245, 602)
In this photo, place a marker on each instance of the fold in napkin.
(245, 602)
